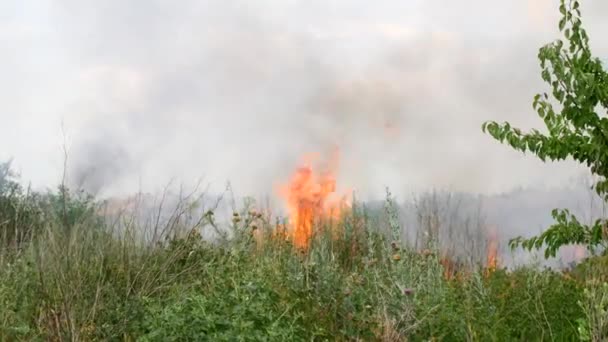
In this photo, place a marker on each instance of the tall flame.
(310, 195)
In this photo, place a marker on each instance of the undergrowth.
(68, 273)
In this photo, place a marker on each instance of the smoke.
(98, 164)
(154, 90)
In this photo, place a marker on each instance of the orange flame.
(310, 196)
(449, 267)
(454, 270)
(492, 252)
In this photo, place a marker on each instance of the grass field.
(69, 273)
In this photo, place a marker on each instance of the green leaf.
(580, 85)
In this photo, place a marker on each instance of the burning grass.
(84, 279)
(311, 197)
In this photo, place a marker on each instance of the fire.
(449, 267)
(311, 195)
(453, 269)
(492, 251)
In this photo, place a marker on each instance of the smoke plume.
(154, 90)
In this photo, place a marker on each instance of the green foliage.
(71, 207)
(597, 267)
(576, 124)
(23, 212)
(567, 230)
(246, 312)
(78, 279)
(545, 297)
(20, 213)
(594, 327)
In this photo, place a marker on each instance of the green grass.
(77, 277)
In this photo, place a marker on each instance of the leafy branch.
(576, 125)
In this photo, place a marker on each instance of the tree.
(576, 120)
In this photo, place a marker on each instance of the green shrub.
(78, 278)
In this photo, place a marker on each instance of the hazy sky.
(148, 90)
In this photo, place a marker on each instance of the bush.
(81, 278)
